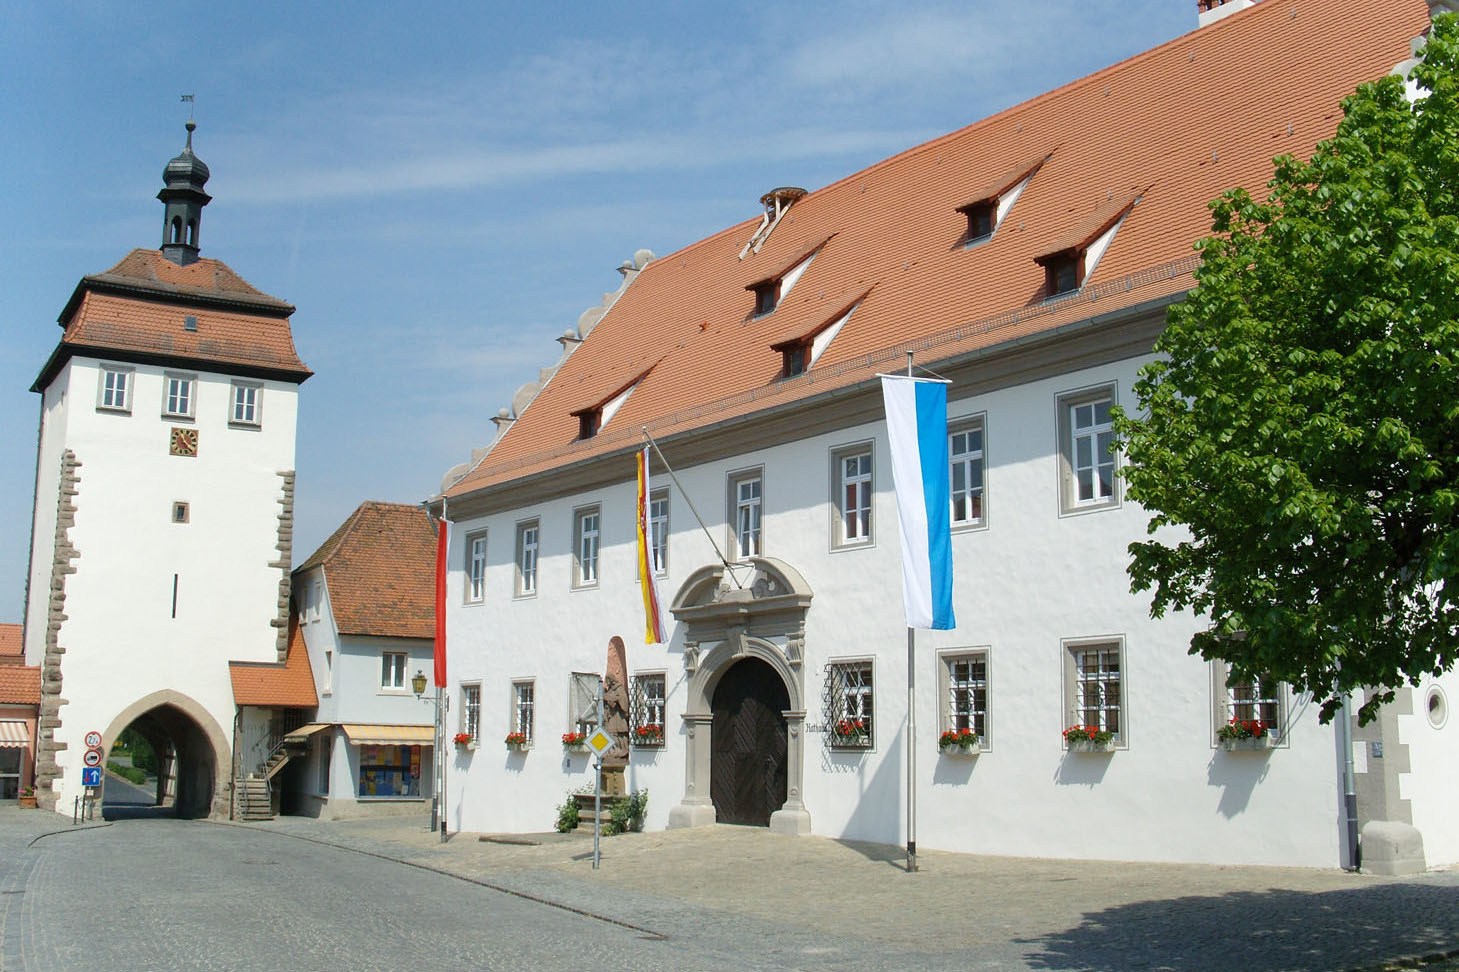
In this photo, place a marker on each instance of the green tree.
(1299, 443)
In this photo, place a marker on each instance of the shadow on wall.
(1238, 775)
(878, 812)
(1258, 930)
(1082, 769)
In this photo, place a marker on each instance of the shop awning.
(304, 732)
(361, 735)
(14, 733)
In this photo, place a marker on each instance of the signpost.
(93, 740)
(92, 757)
(600, 741)
(91, 776)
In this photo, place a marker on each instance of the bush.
(567, 815)
(627, 814)
(129, 773)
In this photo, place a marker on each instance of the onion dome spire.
(183, 200)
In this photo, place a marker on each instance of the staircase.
(614, 788)
(254, 800)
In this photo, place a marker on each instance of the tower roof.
(186, 170)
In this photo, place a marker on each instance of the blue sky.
(442, 189)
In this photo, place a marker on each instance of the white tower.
(161, 539)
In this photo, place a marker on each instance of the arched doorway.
(747, 775)
(189, 780)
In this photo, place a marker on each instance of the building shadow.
(1255, 931)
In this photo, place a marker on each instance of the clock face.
(184, 442)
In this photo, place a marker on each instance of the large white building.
(1030, 259)
(160, 546)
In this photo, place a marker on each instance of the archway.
(747, 747)
(191, 776)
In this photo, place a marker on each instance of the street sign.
(93, 740)
(92, 757)
(600, 741)
(91, 776)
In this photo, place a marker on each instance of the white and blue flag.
(917, 430)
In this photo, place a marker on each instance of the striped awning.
(13, 732)
(304, 732)
(361, 735)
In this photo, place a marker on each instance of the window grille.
(471, 710)
(967, 687)
(648, 713)
(1097, 688)
(1251, 700)
(848, 705)
(523, 703)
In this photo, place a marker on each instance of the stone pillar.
(792, 818)
(697, 807)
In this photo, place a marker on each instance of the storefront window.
(390, 771)
(9, 772)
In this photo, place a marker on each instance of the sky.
(441, 189)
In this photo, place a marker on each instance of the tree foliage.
(1301, 426)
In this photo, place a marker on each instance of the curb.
(648, 933)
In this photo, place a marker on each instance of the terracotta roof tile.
(380, 568)
(10, 646)
(1178, 125)
(20, 684)
(269, 683)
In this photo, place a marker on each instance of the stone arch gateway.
(199, 743)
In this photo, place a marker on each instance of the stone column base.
(691, 815)
(791, 822)
(1393, 848)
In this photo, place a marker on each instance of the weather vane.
(189, 99)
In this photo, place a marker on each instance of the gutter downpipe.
(1349, 789)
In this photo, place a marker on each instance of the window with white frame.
(1249, 700)
(658, 526)
(852, 498)
(475, 567)
(586, 525)
(392, 669)
(848, 705)
(965, 691)
(1094, 687)
(1086, 444)
(177, 398)
(523, 704)
(247, 403)
(746, 490)
(114, 389)
(471, 710)
(965, 454)
(647, 709)
(527, 558)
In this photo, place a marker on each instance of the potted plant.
(1089, 739)
(464, 740)
(1246, 734)
(517, 742)
(958, 742)
(850, 732)
(574, 742)
(649, 735)
(27, 796)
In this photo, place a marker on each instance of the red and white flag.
(653, 623)
(443, 539)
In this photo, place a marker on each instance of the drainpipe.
(1349, 790)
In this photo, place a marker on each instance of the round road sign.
(93, 740)
(92, 757)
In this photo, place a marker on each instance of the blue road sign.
(91, 776)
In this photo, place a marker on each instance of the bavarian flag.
(917, 432)
(653, 623)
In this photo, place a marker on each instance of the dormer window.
(589, 422)
(794, 358)
(1073, 257)
(798, 354)
(987, 208)
(770, 291)
(767, 295)
(981, 220)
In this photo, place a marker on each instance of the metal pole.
(598, 787)
(911, 730)
(1349, 796)
(728, 567)
(441, 753)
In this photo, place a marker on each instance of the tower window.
(192, 232)
(177, 229)
(179, 512)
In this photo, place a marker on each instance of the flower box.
(465, 741)
(1247, 735)
(1240, 744)
(1091, 746)
(574, 742)
(27, 797)
(1089, 739)
(517, 742)
(649, 735)
(959, 742)
(850, 734)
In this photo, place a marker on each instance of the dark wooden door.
(747, 745)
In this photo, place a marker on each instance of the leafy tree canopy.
(1301, 427)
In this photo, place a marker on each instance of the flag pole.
(729, 568)
(911, 730)
(440, 727)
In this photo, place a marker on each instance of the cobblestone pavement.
(720, 897)
(958, 910)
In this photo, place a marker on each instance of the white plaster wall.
(55, 405)
(358, 695)
(320, 638)
(122, 642)
(1030, 579)
(1432, 783)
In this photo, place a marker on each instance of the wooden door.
(748, 744)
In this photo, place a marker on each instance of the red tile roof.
(20, 685)
(138, 309)
(380, 568)
(269, 683)
(1176, 125)
(11, 650)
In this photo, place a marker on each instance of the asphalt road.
(168, 894)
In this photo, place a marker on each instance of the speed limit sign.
(93, 740)
(92, 757)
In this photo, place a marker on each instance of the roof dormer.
(594, 417)
(770, 291)
(800, 353)
(987, 207)
(1073, 257)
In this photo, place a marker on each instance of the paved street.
(297, 893)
